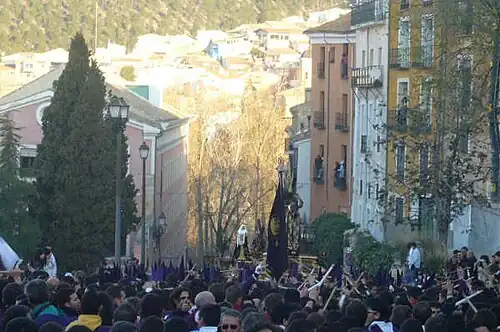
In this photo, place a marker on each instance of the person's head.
(21, 324)
(37, 292)
(51, 327)
(264, 326)
(484, 320)
(316, 318)
(301, 325)
(176, 324)
(116, 293)
(151, 324)
(252, 319)
(422, 312)
(411, 325)
(217, 289)
(357, 310)
(66, 298)
(135, 302)
(123, 326)
(182, 298)
(271, 301)
(234, 296)
(297, 315)
(13, 312)
(106, 308)
(151, 306)
(209, 315)
(125, 313)
(412, 245)
(230, 321)
(400, 313)
(377, 311)
(10, 293)
(90, 304)
(464, 251)
(436, 324)
(79, 328)
(204, 298)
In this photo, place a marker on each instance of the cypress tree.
(75, 165)
(15, 193)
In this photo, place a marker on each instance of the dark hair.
(21, 324)
(15, 312)
(379, 306)
(37, 292)
(252, 319)
(10, 293)
(218, 290)
(422, 311)
(151, 305)
(316, 318)
(233, 294)
(176, 293)
(358, 310)
(436, 324)
(486, 318)
(125, 313)
(301, 325)
(210, 314)
(114, 291)
(63, 296)
(400, 313)
(281, 312)
(134, 302)
(264, 325)
(272, 300)
(297, 315)
(106, 309)
(411, 325)
(152, 324)
(176, 324)
(90, 302)
(124, 327)
(79, 328)
(51, 327)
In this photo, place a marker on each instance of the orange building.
(333, 52)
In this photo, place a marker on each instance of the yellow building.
(412, 61)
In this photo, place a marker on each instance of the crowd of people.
(78, 303)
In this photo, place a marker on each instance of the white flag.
(8, 256)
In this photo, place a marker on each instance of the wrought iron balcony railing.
(368, 12)
(342, 121)
(320, 70)
(398, 120)
(423, 56)
(367, 77)
(319, 119)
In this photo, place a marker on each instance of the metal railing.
(399, 58)
(367, 12)
(367, 77)
(423, 56)
(342, 121)
(319, 119)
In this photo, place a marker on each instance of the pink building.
(166, 169)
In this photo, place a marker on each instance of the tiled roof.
(140, 109)
(340, 25)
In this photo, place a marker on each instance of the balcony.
(427, 3)
(342, 121)
(319, 119)
(367, 77)
(398, 120)
(320, 70)
(420, 122)
(366, 13)
(404, 4)
(423, 56)
(399, 58)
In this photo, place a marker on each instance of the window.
(322, 54)
(424, 164)
(380, 56)
(26, 162)
(344, 103)
(322, 101)
(399, 210)
(371, 58)
(344, 153)
(403, 92)
(369, 191)
(363, 59)
(404, 42)
(427, 40)
(400, 161)
(332, 54)
(322, 150)
(344, 67)
(425, 105)
(364, 144)
(378, 143)
(360, 187)
(377, 189)
(405, 4)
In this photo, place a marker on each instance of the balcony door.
(404, 42)
(427, 40)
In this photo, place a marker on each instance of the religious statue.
(293, 204)
(241, 249)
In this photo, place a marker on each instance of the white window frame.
(406, 44)
(405, 161)
(402, 80)
(424, 41)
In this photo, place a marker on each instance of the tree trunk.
(199, 210)
(207, 225)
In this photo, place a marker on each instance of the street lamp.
(143, 152)
(160, 230)
(118, 110)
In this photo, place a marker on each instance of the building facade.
(147, 123)
(369, 83)
(411, 112)
(333, 53)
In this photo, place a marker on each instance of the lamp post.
(144, 153)
(160, 230)
(118, 110)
